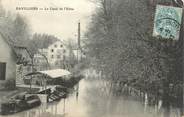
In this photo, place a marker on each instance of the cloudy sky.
(61, 23)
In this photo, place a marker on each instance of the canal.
(91, 98)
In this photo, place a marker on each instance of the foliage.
(40, 41)
(14, 27)
(120, 39)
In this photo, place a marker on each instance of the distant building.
(57, 54)
(43, 51)
(40, 60)
(79, 54)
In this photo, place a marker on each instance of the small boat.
(32, 100)
(57, 94)
(62, 89)
(20, 103)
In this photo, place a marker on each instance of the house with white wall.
(8, 60)
(10, 56)
(57, 54)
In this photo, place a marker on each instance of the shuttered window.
(2, 71)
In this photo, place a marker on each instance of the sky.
(61, 23)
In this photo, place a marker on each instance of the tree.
(15, 28)
(40, 41)
(20, 30)
(120, 39)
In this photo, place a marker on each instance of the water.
(92, 99)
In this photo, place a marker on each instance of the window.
(2, 71)
(52, 56)
(55, 46)
(61, 46)
(64, 51)
(52, 50)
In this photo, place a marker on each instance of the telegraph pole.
(78, 49)
(79, 35)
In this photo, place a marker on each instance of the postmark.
(167, 22)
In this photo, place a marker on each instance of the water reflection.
(92, 99)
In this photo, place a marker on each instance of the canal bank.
(90, 98)
(25, 96)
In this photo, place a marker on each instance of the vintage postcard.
(91, 58)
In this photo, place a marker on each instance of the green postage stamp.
(167, 22)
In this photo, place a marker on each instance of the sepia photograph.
(91, 58)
